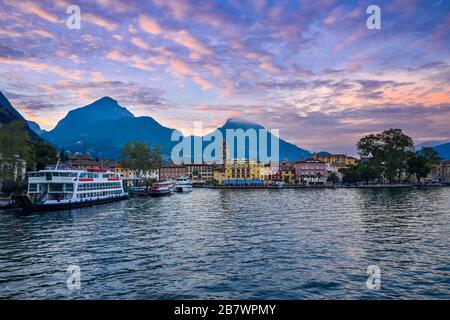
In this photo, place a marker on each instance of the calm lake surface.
(244, 244)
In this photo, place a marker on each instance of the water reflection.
(251, 244)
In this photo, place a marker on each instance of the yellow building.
(219, 174)
(335, 159)
(288, 174)
(243, 172)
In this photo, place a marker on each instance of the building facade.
(342, 159)
(219, 174)
(243, 172)
(172, 172)
(286, 173)
(446, 171)
(200, 172)
(84, 162)
(129, 177)
(311, 171)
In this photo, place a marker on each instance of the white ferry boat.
(183, 185)
(50, 190)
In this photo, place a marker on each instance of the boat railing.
(42, 196)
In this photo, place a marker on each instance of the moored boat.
(50, 190)
(183, 185)
(159, 189)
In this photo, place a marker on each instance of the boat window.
(56, 187)
(68, 187)
(32, 187)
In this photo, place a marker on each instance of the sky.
(312, 69)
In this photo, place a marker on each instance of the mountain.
(430, 144)
(35, 127)
(323, 153)
(442, 147)
(78, 124)
(287, 150)
(104, 127)
(443, 150)
(9, 114)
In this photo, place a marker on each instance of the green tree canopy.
(333, 178)
(15, 145)
(140, 158)
(421, 163)
(386, 153)
(14, 140)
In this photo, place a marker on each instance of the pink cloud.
(99, 21)
(149, 25)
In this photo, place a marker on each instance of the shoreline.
(381, 186)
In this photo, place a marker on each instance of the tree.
(43, 154)
(17, 145)
(14, 141)
(366, 171)
(387, 153)
(421, 163)
(351, 175)
(333, 178)
(140, 158)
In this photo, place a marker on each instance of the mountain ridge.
(94, 134)
(9, 114)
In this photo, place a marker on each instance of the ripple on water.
(223, 244)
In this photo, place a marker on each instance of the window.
(33, 187)
(55, 187)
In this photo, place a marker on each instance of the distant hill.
(104, 127)
(431, 144)
(35, 127)
(323, 153)
(287, 150)
(443, 150)
(9, 114)
(442, 147)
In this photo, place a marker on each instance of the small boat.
(159, 189)
(50, 190)
(183, 185)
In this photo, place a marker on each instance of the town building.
(85, 162)
(129, 177)
(286, 173)
(342, 159)
(200, 172)
(172, 171)
(12, 169)
(312, 171)
(269, 171)
(446, 171)
(243, 172)
(219, 174)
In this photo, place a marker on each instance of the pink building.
(311, 171)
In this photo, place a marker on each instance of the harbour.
(242, 244)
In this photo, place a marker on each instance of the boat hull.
(72, 205)
(155, 194)
(182, 189)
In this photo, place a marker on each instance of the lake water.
(235, 244)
